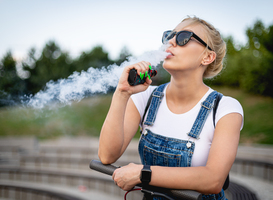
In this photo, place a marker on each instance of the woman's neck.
(184, 93)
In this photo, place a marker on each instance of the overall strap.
(216, 103)
(206, 107)
(157, 96)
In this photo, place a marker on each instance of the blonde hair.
(215, 41)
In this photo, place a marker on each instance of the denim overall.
(163, 151)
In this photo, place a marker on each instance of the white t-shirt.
(173, 125)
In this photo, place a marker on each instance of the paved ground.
(263, 189)
(73, 192)
(256, 152)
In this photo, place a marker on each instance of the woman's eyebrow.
(186, 29)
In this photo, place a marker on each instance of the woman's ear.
(209, 58)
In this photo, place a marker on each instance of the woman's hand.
(123, 85)
(128, 176)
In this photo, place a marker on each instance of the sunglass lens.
(183, 37)
(167, 35)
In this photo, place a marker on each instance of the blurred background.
(49, 40)
(42, 41)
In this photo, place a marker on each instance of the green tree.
(52, 64)
(250, 67)
(267, 40)
(124, 54)
(11, 86)
(95, 58)
(230, 74)
(258, 58)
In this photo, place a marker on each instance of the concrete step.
(68, 192)
(262, 189)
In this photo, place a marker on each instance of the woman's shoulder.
(229, 104)
(145, 94)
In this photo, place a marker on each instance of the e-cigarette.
(135, 79)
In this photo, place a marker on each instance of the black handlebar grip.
(186, 194)
(181, 194)
(98, 166)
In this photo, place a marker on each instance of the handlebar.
(180, 194)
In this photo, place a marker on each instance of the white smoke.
(94, 80)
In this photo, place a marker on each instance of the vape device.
(135, 79)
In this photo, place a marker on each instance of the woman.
(181, 156)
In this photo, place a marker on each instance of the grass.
(258, 115)
(85, 118)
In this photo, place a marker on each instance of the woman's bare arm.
(123, 118)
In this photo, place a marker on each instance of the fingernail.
(146, 73)
(150, 67)
(149, 77)
(141, 75)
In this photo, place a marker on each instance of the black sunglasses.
(182, 37)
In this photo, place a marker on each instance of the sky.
(80, 25)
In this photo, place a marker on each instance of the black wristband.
(146, 174)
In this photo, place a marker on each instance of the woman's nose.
(172, 41)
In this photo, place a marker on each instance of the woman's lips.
(170, 54)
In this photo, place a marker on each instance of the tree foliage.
(50, 65)
(96, 58)
(11, 86)
(124, 54)
(249, 66)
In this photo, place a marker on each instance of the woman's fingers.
(143, 67)
(127, 176)
(142, 70)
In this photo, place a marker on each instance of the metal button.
(145, 132)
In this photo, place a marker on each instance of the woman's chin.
(170, 70)
(167, 65)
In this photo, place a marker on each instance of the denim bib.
(159, 150)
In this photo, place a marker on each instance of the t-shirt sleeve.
(229, 105)
(140, 99)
